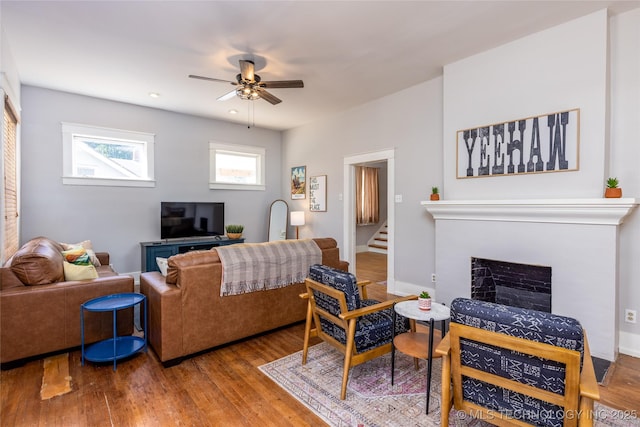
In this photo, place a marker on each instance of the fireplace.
(577, 239)
(509, 283)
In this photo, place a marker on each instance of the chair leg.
(586, 412)
(446, 391)
(348, 355)
(307, 334)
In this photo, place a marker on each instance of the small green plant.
(612, 183)
(425, 294)
(434, 190)
(233, 228)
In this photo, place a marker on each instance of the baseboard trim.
(629, 344)
(403, 289)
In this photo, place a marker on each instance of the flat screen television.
(191, 219)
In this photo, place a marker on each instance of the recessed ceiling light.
(154, 94)
(233, 111)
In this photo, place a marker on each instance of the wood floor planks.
(220, 387)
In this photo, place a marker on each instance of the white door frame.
(349, 215)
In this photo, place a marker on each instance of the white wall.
(116, 219)
(564, 67)
(559, 69)
(625, 158)
(410, 122)
(573, 65)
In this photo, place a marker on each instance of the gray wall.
(410, 123)
(116, 219)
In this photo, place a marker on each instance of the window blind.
(10, 232)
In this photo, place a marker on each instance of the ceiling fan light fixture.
(249, 86)
(247, 92)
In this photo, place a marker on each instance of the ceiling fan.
(250, 86)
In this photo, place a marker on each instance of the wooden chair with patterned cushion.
(513, 366)
(358, 327)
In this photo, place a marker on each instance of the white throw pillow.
(162, 265)
(88, 246)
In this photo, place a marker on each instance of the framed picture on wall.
(318, 193)
(298, 182)
(540, 144)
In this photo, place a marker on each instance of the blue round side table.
(118, 347)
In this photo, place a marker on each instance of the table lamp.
(297, 219)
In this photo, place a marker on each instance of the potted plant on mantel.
(435, 195)
(612, 191)
(234, 231)
(424, 301)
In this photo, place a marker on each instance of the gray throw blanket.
(260, 266)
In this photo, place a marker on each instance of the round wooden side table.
(417, 344)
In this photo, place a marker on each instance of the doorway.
(349, 227)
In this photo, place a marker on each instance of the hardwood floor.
(219, 387)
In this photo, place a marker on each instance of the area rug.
(371, 400)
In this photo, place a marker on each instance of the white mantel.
(561, 211)
(577, 238)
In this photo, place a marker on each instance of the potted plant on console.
(234, 231)
(424, 301)
(612, 191)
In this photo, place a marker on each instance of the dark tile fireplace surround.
(517, 285)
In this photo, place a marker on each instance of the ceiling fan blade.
(210, 79)
(247, 70)
(227, 96)
(282, 84)
(268, 97)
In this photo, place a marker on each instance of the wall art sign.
(318, 193)
(298, 182)
(546, 143)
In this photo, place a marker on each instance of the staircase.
(378, 243)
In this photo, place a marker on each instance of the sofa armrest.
(103, 257)
(164, 302)
(9, 280)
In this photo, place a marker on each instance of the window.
(10, 194)
(237, 167)
(101, 156)
(367, 206)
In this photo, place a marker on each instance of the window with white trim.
(102, 156)
(236, 167)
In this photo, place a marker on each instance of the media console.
(166, 248)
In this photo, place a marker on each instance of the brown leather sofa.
(187, 314)
(40, 311)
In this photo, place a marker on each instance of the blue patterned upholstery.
(544, 374)
(338, 279)
(372, 330)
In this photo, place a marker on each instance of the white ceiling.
(347, 52)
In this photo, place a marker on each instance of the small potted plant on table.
(424, 301)
(435, 194)
(234, 231)
(612, 191)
